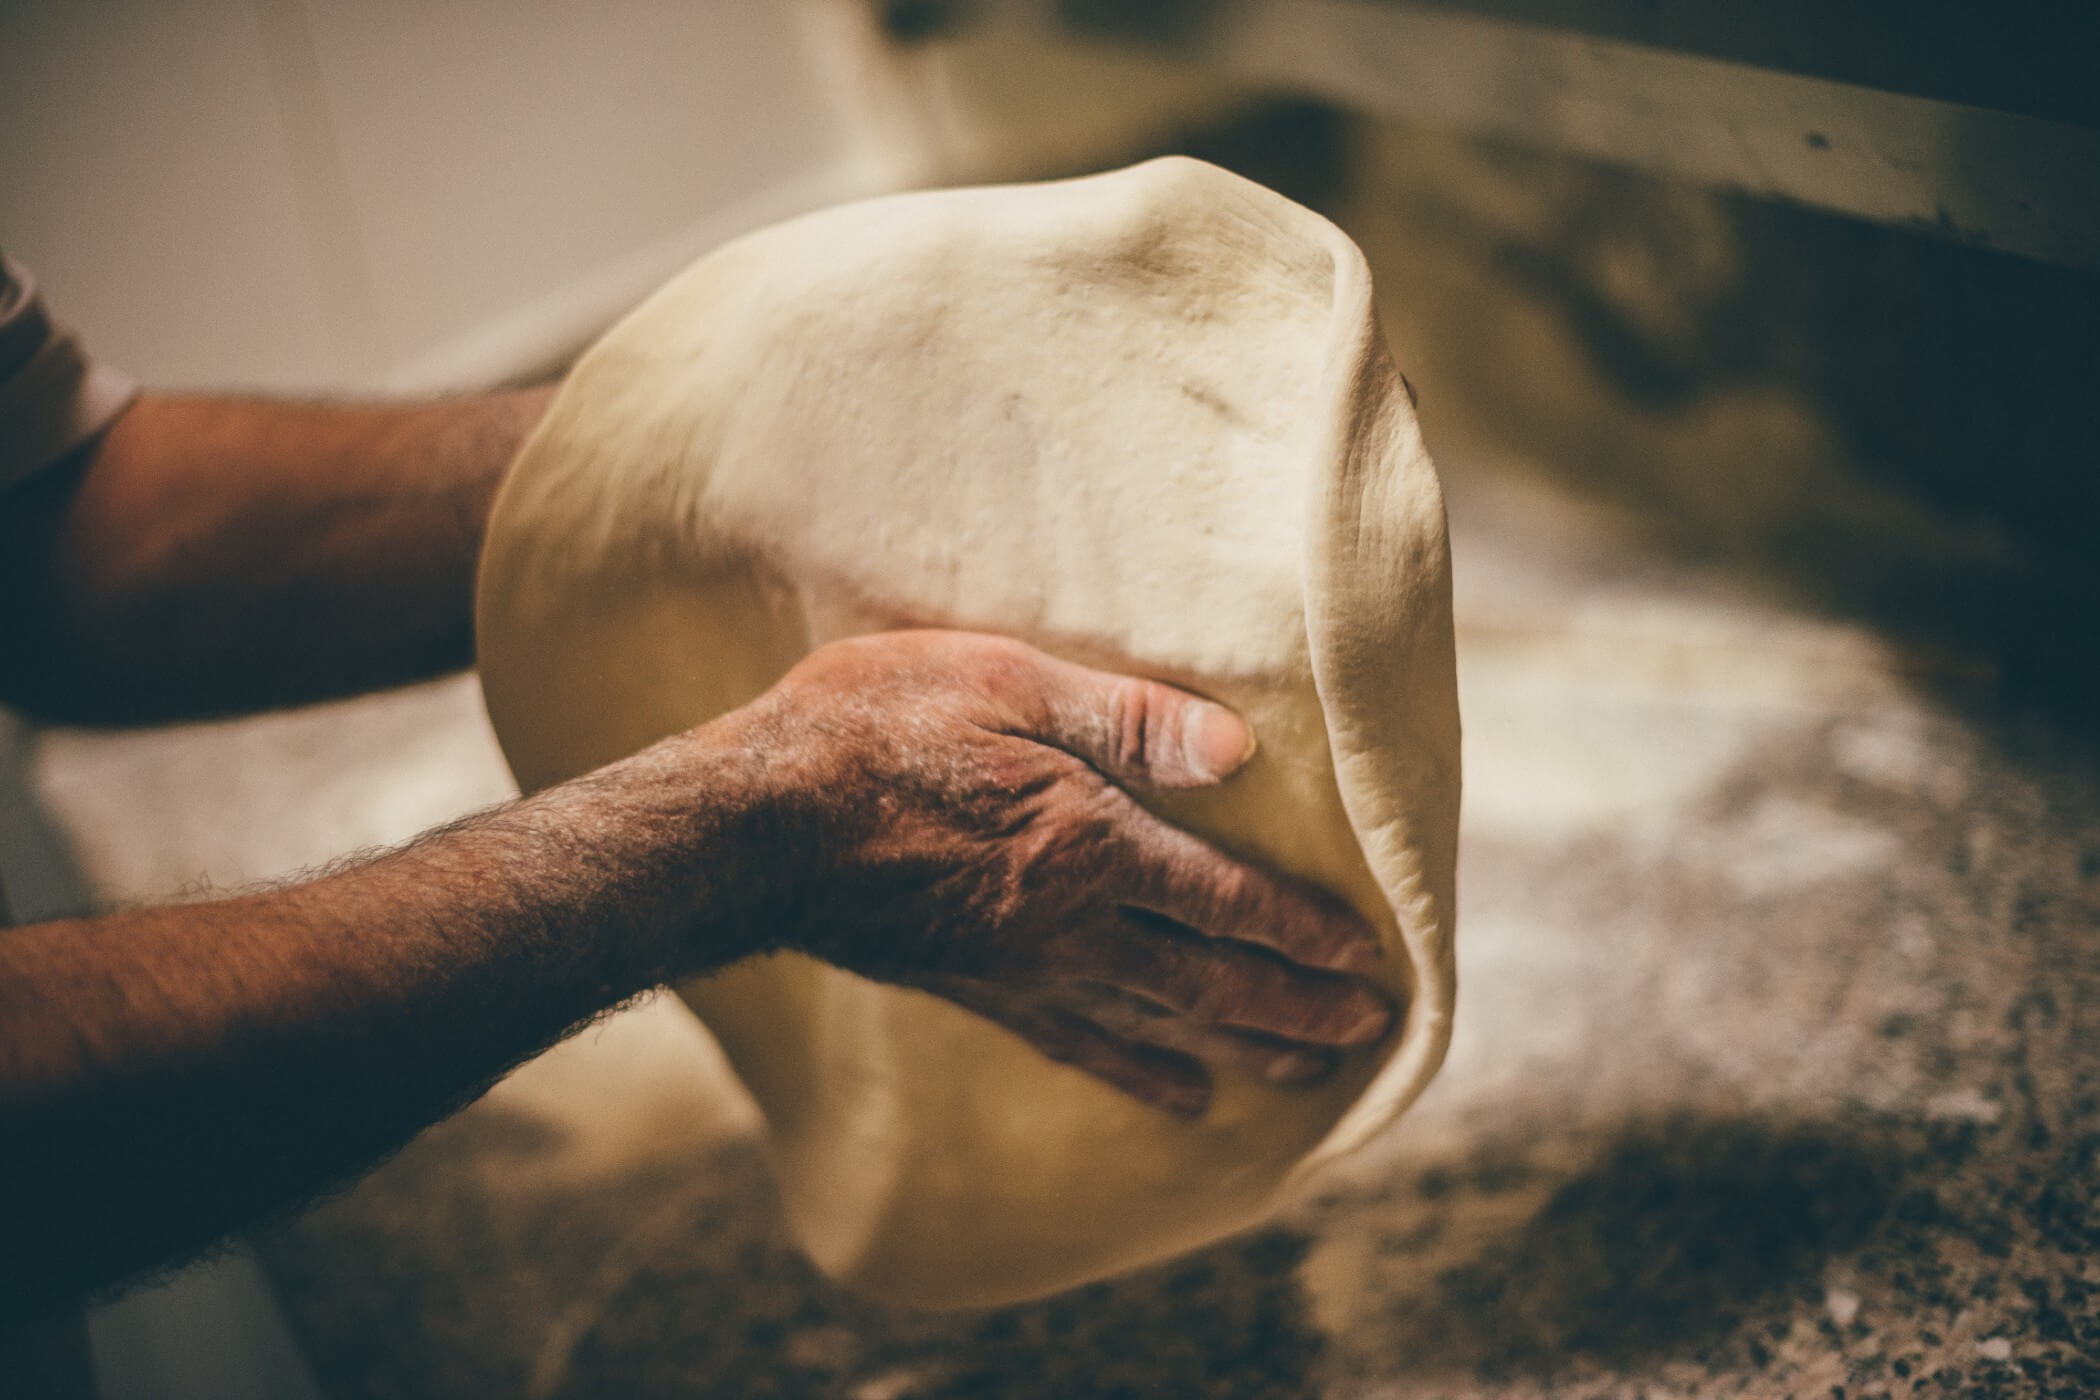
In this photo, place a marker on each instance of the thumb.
(1139, 732)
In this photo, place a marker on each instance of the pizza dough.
(1144, 420)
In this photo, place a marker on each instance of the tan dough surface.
(1144, 420)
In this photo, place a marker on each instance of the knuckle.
(1341, 1013)
(1063, 1038)
(1004, 670)
(1130, 724)
(1233, 891)
(1050, 857)
(1075, 834)
(1012, 772)
(1055, 1046)
(1216, 896)
(1186, 979)
(1236, 987)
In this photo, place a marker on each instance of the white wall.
(316, 194)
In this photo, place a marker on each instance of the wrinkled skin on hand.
(968, 833)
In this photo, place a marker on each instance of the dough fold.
(1144, 420)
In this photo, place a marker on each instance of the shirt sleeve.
(52, 397)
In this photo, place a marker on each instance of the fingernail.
(1361, 955)
(1214, 740)
(1187, 1101)
(1298, 1067)
(1375, 1021)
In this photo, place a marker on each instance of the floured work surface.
(1143, 420)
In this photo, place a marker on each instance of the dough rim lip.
(1355, 340)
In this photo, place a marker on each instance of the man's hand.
(966, 834)
(934, 809)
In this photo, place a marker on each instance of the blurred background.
(1761, 355)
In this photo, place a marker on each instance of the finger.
(1138, 732)
(1151, 1074)
(1232, 986)
(1188, 880)
(1146, 1023)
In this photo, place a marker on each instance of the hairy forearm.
(926, 808)
(213, 555)
(169, 1074)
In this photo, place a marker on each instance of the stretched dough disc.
(1144, 420)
